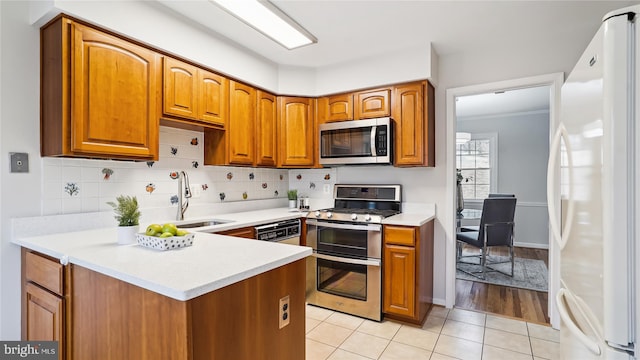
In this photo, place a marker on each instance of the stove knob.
(317, 214)
(367, 217)
(354, 217)
(329, 214)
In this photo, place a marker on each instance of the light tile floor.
(446, 334)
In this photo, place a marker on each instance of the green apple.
(166, 235)
(169, 228)
(181, 232)
(154, 230)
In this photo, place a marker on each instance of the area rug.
(528, 274)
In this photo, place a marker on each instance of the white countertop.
(413, 214)
(214, 261)
(244, 219)
(410, 219)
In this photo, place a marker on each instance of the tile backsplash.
(85, 185)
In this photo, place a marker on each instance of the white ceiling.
(356, 29)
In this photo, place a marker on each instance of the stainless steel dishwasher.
(286, 231)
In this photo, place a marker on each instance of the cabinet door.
(266, 136)
(336, 108)
(180, 89)
(414, 136)
(296, 132)
(399, 280)
(115, 96)
(44, 314)
(213, 98)
(242, 118)
(372, 103)
(245, 232)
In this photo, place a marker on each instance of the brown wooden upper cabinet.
(372, 103)
(250, 135)
(414, 118)
(335, 108)
(241, 127)
(296, 132)
(366, 104)
(195, 95)
(266, 130)
(99, 94)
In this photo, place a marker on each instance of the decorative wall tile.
(150, 188)
(195, 164)
(194, 141)
(174, 150)
(227, 183)
(107, 173)
(174, 199)
(245, 195)
(72, 189)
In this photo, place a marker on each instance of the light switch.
(19, 162)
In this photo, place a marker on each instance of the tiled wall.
(82, 185)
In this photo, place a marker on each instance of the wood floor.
(527, 305)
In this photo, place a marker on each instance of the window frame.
(493, 162)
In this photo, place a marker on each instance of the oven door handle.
(370, 227)
(369, 262)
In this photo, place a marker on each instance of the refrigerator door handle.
(560, 237)
(563, 295)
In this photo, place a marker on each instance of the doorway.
(551, 85)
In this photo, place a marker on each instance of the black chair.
(496, 229)
(476, 227)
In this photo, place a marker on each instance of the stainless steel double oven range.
(345, 271)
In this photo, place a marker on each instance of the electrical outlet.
(196, 190)
(326, 188)
(283, 312)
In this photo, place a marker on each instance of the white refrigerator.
(597, 224)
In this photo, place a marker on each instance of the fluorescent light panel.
(269, 20)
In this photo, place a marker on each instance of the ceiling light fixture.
(269, 20)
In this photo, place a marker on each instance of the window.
(476, 160)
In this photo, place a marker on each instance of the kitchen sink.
(196, 224)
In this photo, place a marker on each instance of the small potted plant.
(128, 216)
(292, 195)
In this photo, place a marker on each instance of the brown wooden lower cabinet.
(408, 272)
(101, 317)
(245, 232)
(44, 300)
(116, 320)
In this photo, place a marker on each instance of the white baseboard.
(531, 245)
(440, 302)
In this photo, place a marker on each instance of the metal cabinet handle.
(369, 262)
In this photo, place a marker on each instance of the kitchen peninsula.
(218, 299)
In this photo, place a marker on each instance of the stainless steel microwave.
(367, 141)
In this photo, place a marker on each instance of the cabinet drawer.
(400, 235)
(44, 272)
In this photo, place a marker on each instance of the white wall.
(19, 121)
(523, 151)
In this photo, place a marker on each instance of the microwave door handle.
(374, 151)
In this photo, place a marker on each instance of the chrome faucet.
(184, 190)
